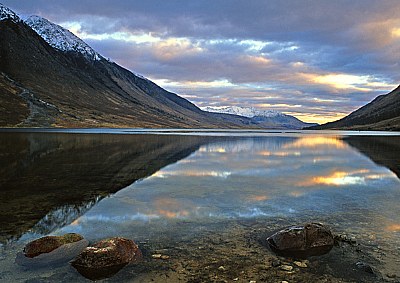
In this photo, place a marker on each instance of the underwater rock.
(107, 257)
(51, 250)
(364, 267)
(302, 241)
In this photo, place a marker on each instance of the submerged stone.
(49, 243)
(51, 250)
(311, 239)
(107, 257)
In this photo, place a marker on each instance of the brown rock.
(302, 241)
(49, 243)
(107, 257)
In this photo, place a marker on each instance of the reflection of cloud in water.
(247, 145)
(393, 228)
(315, 141)
(171, 208)
(188, 173)
(339, 179)
(296, 194)
(236, 179)
(342, 178)
(279, 153)
(257, 198)
(142, 217)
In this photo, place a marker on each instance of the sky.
(318, 60)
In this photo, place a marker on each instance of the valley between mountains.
(51, 78)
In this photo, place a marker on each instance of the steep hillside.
(383, 113)
(46, 84)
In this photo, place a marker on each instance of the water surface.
(159, 188)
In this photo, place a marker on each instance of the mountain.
(51, 78)
(263, 118)
(8, 14)
(383, 113)
(242, 111)
(61, 38)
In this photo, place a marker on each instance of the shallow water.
(162, 188)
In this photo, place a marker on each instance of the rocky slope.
(383, 113)
(55, 79)
(263, 118)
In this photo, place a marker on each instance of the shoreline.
(233, 251)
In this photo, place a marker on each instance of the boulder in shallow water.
(311, 239)
(51, 250)
(107, 257)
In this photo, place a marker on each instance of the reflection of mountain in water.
(252, 144)
(382, 150)
(48, 180)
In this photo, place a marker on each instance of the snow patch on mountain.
(249, 112)
(61, 38)
(268, 119)
(6, 13)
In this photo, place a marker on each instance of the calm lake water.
(173, 186)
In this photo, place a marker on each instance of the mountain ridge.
(7, 13)
(382, 113)
(51, 78)
(249, 112)
(54, 88)
(264, 118)
(60, 38)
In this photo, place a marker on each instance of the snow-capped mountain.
(6, 13)
(249, 112)
(61, 38)
(58, 89)
(262, 118)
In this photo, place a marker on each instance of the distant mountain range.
(383, 113)
(264, 118)
(249, 112)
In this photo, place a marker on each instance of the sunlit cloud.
(396, 32)
(340, 81)
(134, 37)
(172, 48)
(194, 84)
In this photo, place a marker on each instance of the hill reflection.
(49, 180)
(382, 150)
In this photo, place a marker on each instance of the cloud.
(319, 60)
